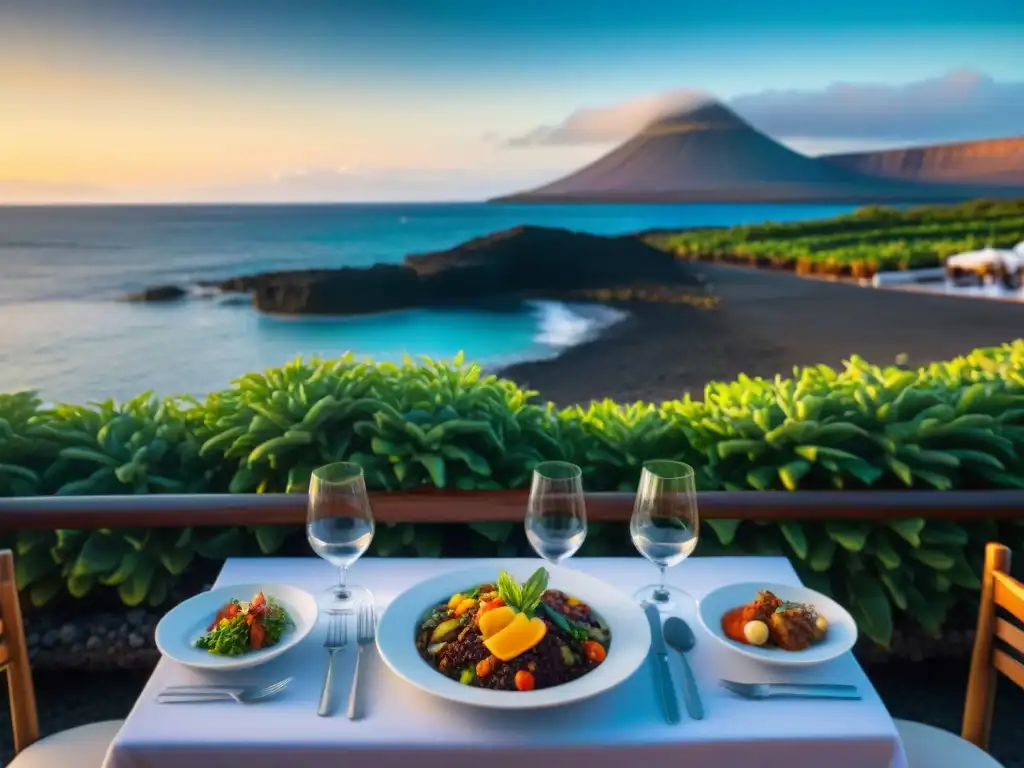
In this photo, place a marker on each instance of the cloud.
(961, 105)
(601, 125)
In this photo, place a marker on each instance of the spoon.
(680, 636)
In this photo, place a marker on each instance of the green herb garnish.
(788, 605)
(526, 597)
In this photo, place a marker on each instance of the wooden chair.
(929, 747)
(82, 747)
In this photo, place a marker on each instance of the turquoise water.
(76, 351)
(64, 332)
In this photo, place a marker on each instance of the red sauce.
(733, 623)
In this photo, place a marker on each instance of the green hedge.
(857, 244)
(958, 424)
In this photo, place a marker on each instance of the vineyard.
(957, 424)
(859, 244)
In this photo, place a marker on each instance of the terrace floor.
(930, 692)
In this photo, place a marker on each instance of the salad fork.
(194, 694)
(364, 636)
(336, 640)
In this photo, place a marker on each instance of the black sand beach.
(766, 323)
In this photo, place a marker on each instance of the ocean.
(65, 332)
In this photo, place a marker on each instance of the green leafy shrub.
(858, 244)
(951, 425)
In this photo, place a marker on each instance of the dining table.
(403, 726)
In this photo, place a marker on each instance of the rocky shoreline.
(499, 270)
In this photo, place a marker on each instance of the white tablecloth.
(409, 728)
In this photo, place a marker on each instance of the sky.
(408, 100)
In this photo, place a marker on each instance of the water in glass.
(665, 526)
(556, 516)
(340, 527)
(340, 540)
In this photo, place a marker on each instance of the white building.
(998, 264)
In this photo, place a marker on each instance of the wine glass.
(556, 515)
(339, 526)
(665, 526)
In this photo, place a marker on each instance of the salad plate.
(215, 631)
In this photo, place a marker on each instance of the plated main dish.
(508, 636)
(769, 621)
(785, 625)
(611, 619)
(240, 627)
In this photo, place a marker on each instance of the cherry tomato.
(594, 651)
(524, 680)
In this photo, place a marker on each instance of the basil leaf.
(509, 590)
(533, 590)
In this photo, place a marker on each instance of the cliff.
(992, 161)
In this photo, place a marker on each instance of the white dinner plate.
(840, 637)
(628, 647)
(178, 630)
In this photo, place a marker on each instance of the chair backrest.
(998, 645)
(14, 658)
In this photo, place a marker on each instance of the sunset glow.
(177, 103)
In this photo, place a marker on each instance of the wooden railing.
(432, 506)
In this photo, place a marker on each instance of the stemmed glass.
(556, 515)
(339, 526)
(665, 526)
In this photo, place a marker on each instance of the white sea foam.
(561, 325)
(196, 291)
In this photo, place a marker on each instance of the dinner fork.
(364, 636)
(194, 694)
(336, 640)
(791, 690)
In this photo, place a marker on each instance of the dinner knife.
(659, 662)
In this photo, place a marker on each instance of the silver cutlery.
(659, 662)
(792, 690)
(680, 636)
(336, 639)
(364, 636)
(194, 694)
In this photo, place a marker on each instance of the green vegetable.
(445, 630)
(275, 622)
(229, 638)
(558, 618)
(467, 676)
